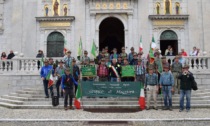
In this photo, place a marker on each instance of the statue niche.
(167, 6)
(55, 8)
(46, 8)
(65, 10)
(158, 8)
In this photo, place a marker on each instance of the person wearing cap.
(52, 63)
(119, 60)
(186, 79)
(102, 71)
(45, 70)
(176, 69)
(151, 63)
(126, 63)
(76, 73)
(140, 71)
(59, 72)
(68, 86)
(134, 61)
(151, 85)
(114, 54)
(131, 54)
(166, 84)
(114, 71)
(123, 53)
(107, 52)
(101, 55)
(107, 61)
(85, 57)
(68, 59)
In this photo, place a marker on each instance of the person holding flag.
(59, 72)
(68, 86)
(45, 73)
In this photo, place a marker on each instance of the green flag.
(42, 61)
(93, 50)
(151, 55)
(80, 47)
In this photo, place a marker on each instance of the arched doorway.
(167, 38)
(55, 45)
(111, 34)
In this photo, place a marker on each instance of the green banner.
(110, 89)
(88, 70)
(128, 71)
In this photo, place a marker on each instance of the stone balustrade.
(25, 66)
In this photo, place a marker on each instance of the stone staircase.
(33, 98)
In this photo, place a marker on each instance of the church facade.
(27, 26)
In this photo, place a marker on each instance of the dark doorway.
(111, 34)
(169, 38)
(55, 45)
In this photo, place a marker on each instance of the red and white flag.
(141, 45)
(142, 98)
(50, 79)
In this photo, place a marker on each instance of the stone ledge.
(56, 18)
(155, 17)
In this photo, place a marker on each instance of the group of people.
(156, 75)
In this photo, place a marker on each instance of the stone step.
(90, 106)
(11, 101)
(27, 95)
(23, 98)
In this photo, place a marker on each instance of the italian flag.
(65, 49)
(142, 98)
(50, 79)
(77, 102)
(140, 46)
(153, 45)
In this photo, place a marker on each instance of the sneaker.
(180, 110)
(170, 109)
(165, 108)
(188, 110)
(47, 97)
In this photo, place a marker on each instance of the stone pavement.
(39, 117)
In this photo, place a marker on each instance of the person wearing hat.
(140, 71)
(151, 84)
(114, 55)
(119, 60)
(102, 71)
(165, 62)
(76, 73)
(45, 70)
(123, 53)
(101, 55)
(176, 69)
(134, 61)
(186, 79)
(131, 54)
(107, 52)
(59, 71)
(68, 59)
(166, 84)
(85, 57)
(68, 86)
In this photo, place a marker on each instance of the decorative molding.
(158, 17)
(56, 18)
(168, 22)
(55, 24)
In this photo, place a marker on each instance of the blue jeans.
(113, 79)
(45, 83)
(167, 96)
(188, 97)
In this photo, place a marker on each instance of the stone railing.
(25, 66)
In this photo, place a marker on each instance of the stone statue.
(65, 11)
(167, 4)
(55, 8)
(46, 10)
(158, 8)
(177, 8)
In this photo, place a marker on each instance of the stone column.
(130, 42)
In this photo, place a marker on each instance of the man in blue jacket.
(68, 86)
(166, 83)
(45, 70)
